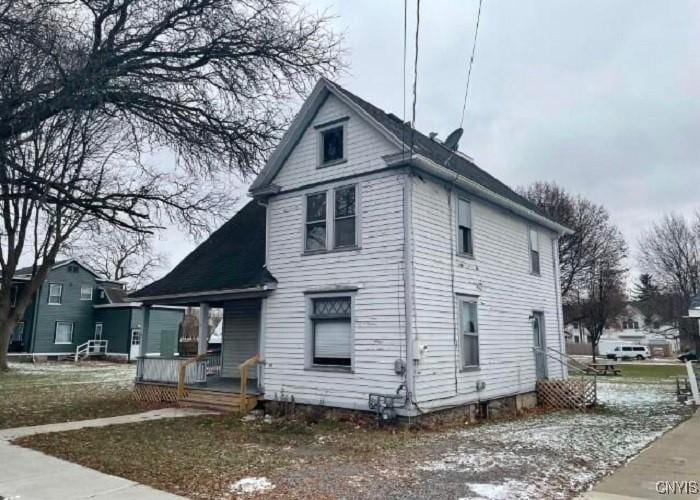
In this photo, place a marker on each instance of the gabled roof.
(399, 133)
(116, 295)
(232, 258)
(27, 271)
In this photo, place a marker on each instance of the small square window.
(55, 293)
(85, 292)
(332, 147)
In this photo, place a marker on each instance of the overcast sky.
(602, 97)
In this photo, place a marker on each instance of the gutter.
(230, 291)
(444, 173)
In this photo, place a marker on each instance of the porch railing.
(167, 370)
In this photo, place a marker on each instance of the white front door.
(98, 331)
(135, 343)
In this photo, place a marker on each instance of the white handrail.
(92, 346)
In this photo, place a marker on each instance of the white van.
(629, 352)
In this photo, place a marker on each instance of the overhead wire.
(471, 64)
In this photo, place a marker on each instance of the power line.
(471, 63)
(403, 88)
(415, 76)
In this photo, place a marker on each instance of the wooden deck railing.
(158, 369)
(244, 367)
(198, 365)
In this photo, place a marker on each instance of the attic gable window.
(534, 251)
(315, 222)
(332, 145)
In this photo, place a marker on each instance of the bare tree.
(122, 256)
(88, 87)
(670, 250)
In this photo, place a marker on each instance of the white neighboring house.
(630, 327)
(374, 259)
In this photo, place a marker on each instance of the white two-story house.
(374, 259)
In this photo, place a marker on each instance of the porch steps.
(218, 401)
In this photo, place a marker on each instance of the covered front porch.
(229, 377)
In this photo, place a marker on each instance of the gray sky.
(602, 97)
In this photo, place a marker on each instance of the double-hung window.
(315, 222)
(85, 292)
(55, 293)
(344, 218)
(331, 328)
(469, 334)
(534, 251)
(64, 332)
(332, 145)
(464, 216)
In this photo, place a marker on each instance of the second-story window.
(534, 251)
(85, 292)
(465, 227)
(332, 145)
(315, 222)
(55, 293)
(344, 221)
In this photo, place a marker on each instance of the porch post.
(146, 320)
(203, 343)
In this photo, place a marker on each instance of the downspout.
(455, 339)
(557, 296)
(408, 288)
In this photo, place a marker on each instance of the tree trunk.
(594, 344)
(6, 327)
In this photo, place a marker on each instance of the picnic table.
(605, 368)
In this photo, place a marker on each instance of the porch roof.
(231, 259)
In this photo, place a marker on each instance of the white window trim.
(471, 227)
(330, 220)
(82, 287)
(320, 129)
(60, 296)
(530, 229)
(72, 328)
(468, 299)
(309, 336)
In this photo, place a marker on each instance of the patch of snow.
(506, 491)
(251, 485)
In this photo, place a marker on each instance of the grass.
(202, 457)
(652, 372)
(60, 392)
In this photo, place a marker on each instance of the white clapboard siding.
(507, 294)
(377, 272)
(364, 148)
(240, 335)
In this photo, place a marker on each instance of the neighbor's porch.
(227, 377)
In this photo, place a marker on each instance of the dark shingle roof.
(232, 257)
(23, 271)
(437, 152)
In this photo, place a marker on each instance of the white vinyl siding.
(64, 332)
(500, 276)
(240, 336)
(55, 294)
(85, 292)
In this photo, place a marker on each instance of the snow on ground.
(557, 454)
(69, 373)
(251, 485)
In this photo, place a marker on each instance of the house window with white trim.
(64, 332)
(469, 334)
(464, 222)
(55, 293)
(315, 222)
(344, 226)
(331, 331)
(85, 292)
(534, 242)
(332, 145)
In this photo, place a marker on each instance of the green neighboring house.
(75, 305)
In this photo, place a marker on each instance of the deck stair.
(90, 348)
(218, 401)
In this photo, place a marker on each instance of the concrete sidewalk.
(30, 475)
(670, 464)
